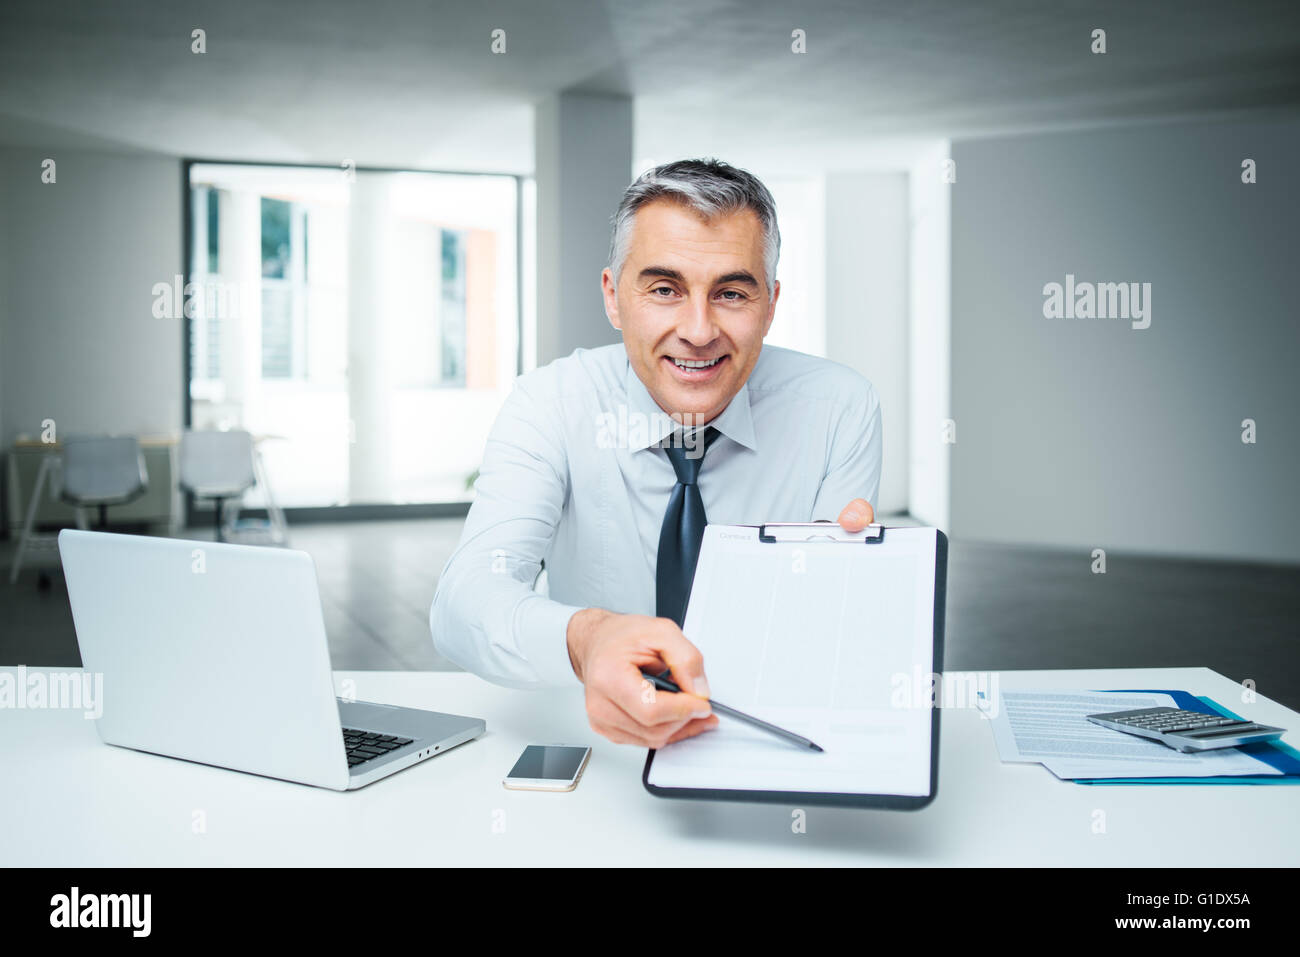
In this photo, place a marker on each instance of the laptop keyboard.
(364, 745)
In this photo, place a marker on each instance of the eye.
(667, 289)
(736, 293)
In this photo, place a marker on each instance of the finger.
(649, 724)
(622, 684)
(613, 722)
(698, 726)
(857, 515)
(617, 736)
(652, 708)
(681, 657)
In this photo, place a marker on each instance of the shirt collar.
(736, 421)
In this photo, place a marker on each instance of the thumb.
(857, 515)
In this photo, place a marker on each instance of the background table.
(157, 508)
(69, 800)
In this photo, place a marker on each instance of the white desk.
(68, 800)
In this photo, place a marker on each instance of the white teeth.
(692, 364)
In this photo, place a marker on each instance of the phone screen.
(545, 762)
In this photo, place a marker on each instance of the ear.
(771, 307)
(610, 292)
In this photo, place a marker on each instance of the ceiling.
(401, 83)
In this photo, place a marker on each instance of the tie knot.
(686, 452)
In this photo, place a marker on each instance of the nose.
(695, 323)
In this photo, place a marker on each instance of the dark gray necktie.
(682, 532)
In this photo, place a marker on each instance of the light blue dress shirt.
(572, 473)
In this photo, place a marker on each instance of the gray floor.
(1008, 608)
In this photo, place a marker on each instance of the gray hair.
(711, 188)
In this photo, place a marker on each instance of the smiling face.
(691, 302)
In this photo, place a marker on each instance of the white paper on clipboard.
(828, 637)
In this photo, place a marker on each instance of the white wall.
(1089, 433)
(800, 321)
(866, 304)
(78, 341)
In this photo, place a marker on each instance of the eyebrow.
(663, 272)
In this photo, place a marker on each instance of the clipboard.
(834, 635)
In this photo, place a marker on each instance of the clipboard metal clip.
(772, 532)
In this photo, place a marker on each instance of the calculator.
(1187, 730)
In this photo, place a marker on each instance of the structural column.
(370, 305)
(583, 163)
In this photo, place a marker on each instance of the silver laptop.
(216, 653)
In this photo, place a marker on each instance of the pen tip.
(816, 748)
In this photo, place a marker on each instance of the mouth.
(695, 370)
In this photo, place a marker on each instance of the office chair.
(99, 471)
(217, 466)
(89, 471)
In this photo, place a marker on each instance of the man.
(607, 463)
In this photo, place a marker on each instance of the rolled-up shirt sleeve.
(853, 468)
(486, 615)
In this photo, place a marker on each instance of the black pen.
(664, 683)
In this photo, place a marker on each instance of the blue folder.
(1273, 753)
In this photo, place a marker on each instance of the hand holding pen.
(664, 682)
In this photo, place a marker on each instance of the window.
(205, 270)
(284, 290)
(377, 332)
(452, 314)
